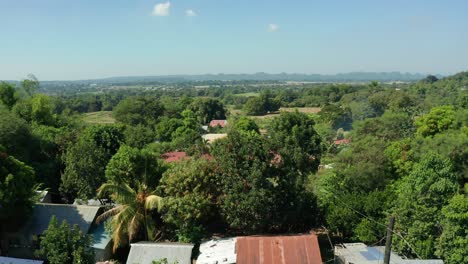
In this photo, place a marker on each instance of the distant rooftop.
(221, 123)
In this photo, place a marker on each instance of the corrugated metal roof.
(360, 253)
(219, 251)
(6, 260)
(80, 215)
(293, 249)
(146, 252)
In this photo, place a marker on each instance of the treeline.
(405, 155)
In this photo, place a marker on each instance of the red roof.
(342, 141)
(221, 123)
(297, 249)
(173, 156)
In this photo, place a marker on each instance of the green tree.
(16, 190)
(437, 120)
(138, 110)
(7, 95)
(84, 170)
(30, 85)
(65, 244)
(247, 202)
(133, 166)
(453, 241)
(207, 109)
(191, 189)
(293, 137)
(166, 127)
(336, 116)
(138, 136)
(41, 110)
(85, 161)
(15, 135)
(254, 106)
(420, 198)
(246, 124)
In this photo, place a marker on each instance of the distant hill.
(261, 76)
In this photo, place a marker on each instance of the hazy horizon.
(77, 40)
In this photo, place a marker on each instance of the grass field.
(101, 117)
(252, 94)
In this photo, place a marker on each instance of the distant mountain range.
(261, 76)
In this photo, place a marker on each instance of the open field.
(251, 94)
(101, 117)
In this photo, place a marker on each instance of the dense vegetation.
(405, 154)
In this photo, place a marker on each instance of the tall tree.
(191, 189)
(421, 196)
(453, 241)
(16, 190)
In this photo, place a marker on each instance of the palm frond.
(153, 202)
(109, 213)
(121, 193)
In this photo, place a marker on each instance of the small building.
(285, 249)
(220, 251)
(174, 156)
(220, 123)
(23, 242)
(353, 253)
(147, 252)
(7, 260)
(210, 138)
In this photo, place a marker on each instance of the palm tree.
(130, 217)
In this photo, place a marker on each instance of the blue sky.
(80, 39)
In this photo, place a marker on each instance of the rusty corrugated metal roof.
(294, 249)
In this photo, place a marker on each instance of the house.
(349, 253)
(174, 156)
(285, 249)
(210, 138)
(7, 260)
(147, 252)
(220, 251)
(25, 241)
(215, 123)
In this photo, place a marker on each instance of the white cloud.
(272, 27)
(190, 13)
(162, 9)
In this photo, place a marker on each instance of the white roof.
(361, 253)
(218, 251)
(6, 260)
(146, 252)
